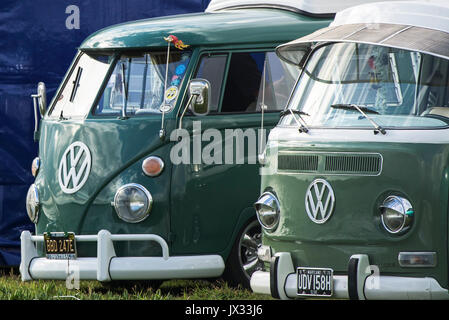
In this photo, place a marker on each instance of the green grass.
(12, 288)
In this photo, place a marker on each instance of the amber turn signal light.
(152, 166)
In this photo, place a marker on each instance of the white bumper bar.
(106, 266)
(358, 284)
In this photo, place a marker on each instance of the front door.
(215, 185)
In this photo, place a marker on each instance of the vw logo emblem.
(320, 201)
(74, 167)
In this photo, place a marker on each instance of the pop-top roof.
(432, 14)
(312, 7)
(411, 25)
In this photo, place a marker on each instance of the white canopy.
(432, 14)
(410, 25)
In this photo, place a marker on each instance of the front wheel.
(243, 260)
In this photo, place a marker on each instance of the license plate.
(60, 245)
(315, 282)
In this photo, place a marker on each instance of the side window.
(212, 68)
(244, 88)
(280, 78)
(243, 82)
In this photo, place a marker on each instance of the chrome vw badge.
(320, 200)
(74, 167)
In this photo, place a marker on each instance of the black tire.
(243, 260)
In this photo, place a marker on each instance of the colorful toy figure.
(178, 43)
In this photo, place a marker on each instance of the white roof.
(316, 7)
(418, 25)
(432, 14)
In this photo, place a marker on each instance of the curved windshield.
(394, 88)
(138, 84)
(81, 86)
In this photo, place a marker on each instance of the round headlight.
(396, 214)
(33, 204)
(35, 165)
(268, 211)
(133, 202)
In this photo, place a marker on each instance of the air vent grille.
(298, 162)
(331, 163)
(368, 164)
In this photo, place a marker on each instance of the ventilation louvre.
(331, 163)
(298, 162)
(367, 164)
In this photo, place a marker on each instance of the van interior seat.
(440, 111)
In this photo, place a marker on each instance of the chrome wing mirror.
(199, 98)
(39, 101)
(200, 90)
(41, 97)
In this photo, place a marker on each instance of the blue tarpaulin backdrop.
(38, 40)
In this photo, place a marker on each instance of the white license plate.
(317, 282)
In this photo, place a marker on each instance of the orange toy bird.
(178, 43)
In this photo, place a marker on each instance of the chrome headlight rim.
(33, 204)
(277, 210)
(148, 197)
(407, 214)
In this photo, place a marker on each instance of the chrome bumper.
(281, 282)
(106, 266)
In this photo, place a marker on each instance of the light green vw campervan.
(355, 184)
(117, 195)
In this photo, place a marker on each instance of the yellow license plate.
(60, 245)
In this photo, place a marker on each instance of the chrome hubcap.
(250, 241)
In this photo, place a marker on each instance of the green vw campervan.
(117, 195)
(355, 184)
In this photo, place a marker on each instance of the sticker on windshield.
(180, 69)
(171, 93)
(175, 80)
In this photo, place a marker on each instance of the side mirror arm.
(189, 102)
(36, 120)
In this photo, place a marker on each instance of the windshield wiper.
(363, 111)
(302, 126)
(289, 111)
(61, 116)
(76, 84)
(124, 92)
(348, 106)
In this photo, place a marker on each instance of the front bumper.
(107, 266)
(360, 283)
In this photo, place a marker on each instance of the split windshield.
(395, 88)
(136, 84)
(81, 86)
